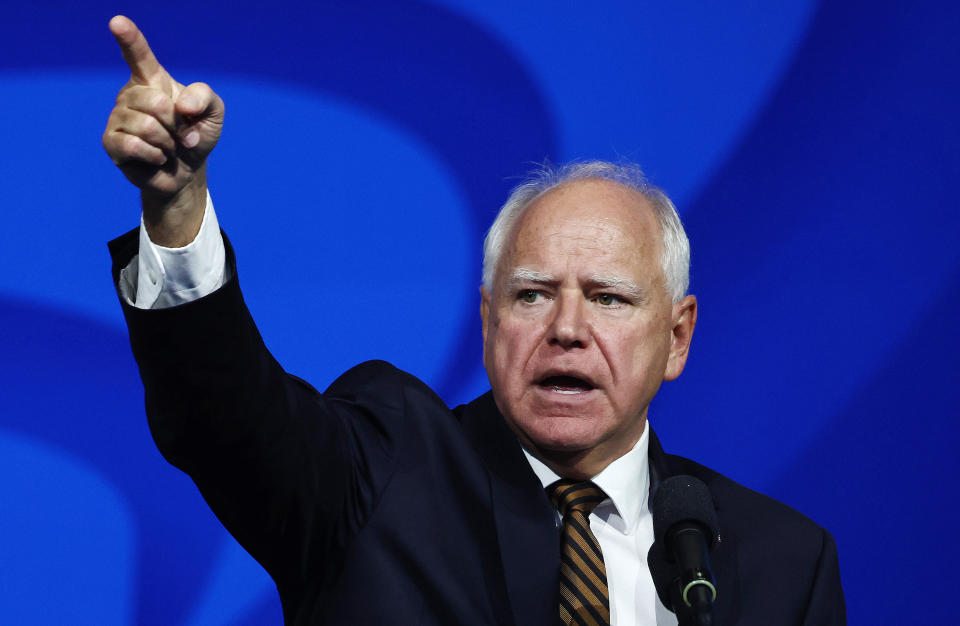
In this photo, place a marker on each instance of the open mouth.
(565, 384)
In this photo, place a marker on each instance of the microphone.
(684, 530)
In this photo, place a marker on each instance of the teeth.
(567, 390)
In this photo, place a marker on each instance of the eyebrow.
(620, 285)
(624, 286)
(526, 275)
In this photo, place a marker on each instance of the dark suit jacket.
(373, 503)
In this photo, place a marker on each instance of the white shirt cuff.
(160, 277)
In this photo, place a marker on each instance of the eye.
(608, 299)
(529, 295)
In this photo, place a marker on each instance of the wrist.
(173, 221)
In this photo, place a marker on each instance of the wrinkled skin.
(159, 134)
(579, 330)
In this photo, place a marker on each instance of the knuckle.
(132, 92)
(165, 107)
(135, 124)
(158, 102)
(113, 147)
(129, 145)
(149, 127)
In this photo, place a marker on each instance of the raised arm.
(291, 473)
(159, 134)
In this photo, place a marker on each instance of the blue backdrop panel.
(811, 149)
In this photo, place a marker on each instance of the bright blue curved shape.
(84, 563)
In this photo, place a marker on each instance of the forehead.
(594, 222)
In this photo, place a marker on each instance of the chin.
(562, 434)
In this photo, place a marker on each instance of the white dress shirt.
(623, 525)
(160, 277)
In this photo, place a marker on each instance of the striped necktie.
(584, 598)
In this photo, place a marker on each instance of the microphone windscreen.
(663, 572)
(683, 498)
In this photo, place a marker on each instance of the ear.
(684, 319)
(484, 311)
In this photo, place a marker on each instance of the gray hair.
(675, 247)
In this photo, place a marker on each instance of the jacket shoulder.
(786, 564)
(382, 382)
(743, 507)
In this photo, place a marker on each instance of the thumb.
(203, 111)
(198, 100)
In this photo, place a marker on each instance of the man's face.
(579, 330)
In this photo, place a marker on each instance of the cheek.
(638, 355)
(510, 347)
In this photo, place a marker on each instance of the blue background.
(812, 151)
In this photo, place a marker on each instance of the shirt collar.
(626, 481)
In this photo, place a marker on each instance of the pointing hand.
(160, 132)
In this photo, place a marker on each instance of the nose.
(569, 328)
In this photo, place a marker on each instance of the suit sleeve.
(827, 606)
(290, 472)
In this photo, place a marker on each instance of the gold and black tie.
(584, 598)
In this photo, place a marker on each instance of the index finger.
(144, 67)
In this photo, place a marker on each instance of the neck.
(573, 465)
(582, 464)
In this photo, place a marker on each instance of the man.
(373, 502)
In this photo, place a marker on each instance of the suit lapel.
(723, 557)
(659, 462)
(529, 540)
(527, 531)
